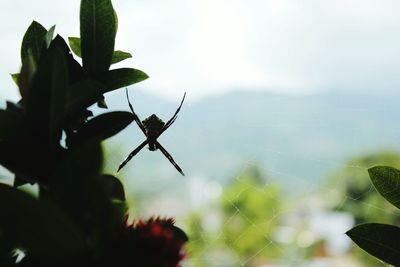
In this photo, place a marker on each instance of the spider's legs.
(132, 154)
(172, 120)
(137, 120)
(169, 157)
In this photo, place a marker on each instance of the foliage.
(50, 138)
(242, 226)
(381, 240)
(351, 183)
(351, 191)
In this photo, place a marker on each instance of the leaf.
(14, 77)
(379, 240)
(28, 71)
(47, 95)
(7, 257)
(118, 78)
(387, 181)
(101, 103)
(37, 226)
(119, 56)
(102, 127)
(179, 233)
(33, 42)
(49, 36)
(83, 94)
(75, 44)
(29, 159)
(113, 187)
(12, 125)
(78, 191)
(74, 68)
(18, 181)
(97, 25)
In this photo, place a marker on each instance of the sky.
(208, 47)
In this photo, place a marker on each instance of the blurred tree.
(353, 192)
(238, 229)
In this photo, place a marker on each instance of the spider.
(152, 127)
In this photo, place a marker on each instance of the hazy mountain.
(296, 140)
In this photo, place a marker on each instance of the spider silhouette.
(152, 127)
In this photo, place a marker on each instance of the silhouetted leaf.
(179, 233)
(79, 192)
(26, 75)
(29, 159)
(49, 36)
(97, 23)
(33, 42)
(118, 78)
(75, 44)
(102, 127)
(380, 240)
(18, 181)
(15, 76)
(14, 107)
(387, 181)
(83, 94)
(74, 68)
(12, 125)
(38, 227)
(113, 187)
(7, 246)
(101, 103)
(119, 56)
(46, 98)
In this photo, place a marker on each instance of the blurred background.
(288, 104)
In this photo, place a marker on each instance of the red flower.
(155, 243)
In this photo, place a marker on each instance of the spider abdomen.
(153, 126)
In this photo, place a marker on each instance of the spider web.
(217, 249)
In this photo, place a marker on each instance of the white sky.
(211, 46)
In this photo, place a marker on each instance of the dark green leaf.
(118, 56)
(75, 44)
(34, 42)
(36, 226)
(116, 20)
(74, 68)
(179, 233)
(387, 181)
(113, 187)
(7, 246)
(101, 103)
(46, 98)
(14, 107)
(102, 127)
(12, 125)
(29, 159)
(28, 71)
(58, 96)
(79, 192)
(15, 76)
(97, 23)
(18, 181)
(83, 94)
(118, 78)
(49, 36)
(379, 240)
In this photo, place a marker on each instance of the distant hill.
(296, 140)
